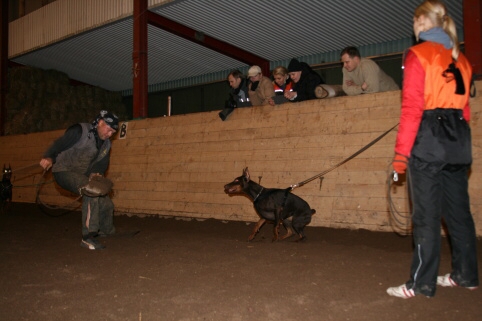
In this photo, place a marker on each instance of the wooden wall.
(178, 165)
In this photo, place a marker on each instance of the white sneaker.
(401, 292)
(91, 244)
(446, 281)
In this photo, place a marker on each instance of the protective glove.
(399, 163)
(98, 186)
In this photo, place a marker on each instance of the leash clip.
(395, 176)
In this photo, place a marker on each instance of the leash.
(399, 222)
(364, 148)
(25, 167)
(27, 175)
(67, 208)
(42, 205)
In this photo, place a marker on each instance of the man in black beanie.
(304, 81)
(77, 159)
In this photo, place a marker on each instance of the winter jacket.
(263, 91)
(433, 123)
(305, 87)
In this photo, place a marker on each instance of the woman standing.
(434, 140)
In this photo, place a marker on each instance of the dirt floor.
(206, 270)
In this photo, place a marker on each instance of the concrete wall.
(178, 165)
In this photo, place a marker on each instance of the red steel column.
(3, 64)
(473, 35)
(139, 60)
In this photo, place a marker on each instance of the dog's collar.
(262, 188)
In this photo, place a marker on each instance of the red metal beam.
(3, 64)
(139, 60)
(207, 41)
(473, 34)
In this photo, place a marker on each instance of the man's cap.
(110, 119)
(294, 65)
(254, 71)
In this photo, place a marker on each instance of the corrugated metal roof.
(314, 31)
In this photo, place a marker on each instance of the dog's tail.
(313, 212)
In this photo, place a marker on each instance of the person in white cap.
(260, 88)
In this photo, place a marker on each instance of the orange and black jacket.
(279, 90)
(428, 88)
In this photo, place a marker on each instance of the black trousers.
(437, 195)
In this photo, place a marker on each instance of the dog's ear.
(246, 173)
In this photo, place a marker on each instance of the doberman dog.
(274, 205)
(5, 187)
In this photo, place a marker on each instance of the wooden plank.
(178, 165)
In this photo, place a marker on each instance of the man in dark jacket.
(304, 81)
(79, 157)
(238, 95)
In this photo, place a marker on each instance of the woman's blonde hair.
(437, 13)
(280, 70)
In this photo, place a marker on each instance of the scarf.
(437, 35)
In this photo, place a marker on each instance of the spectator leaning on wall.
(260, 88)
(363, 75)
(238, 95)
(304, 81)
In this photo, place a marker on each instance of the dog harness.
(261, 196)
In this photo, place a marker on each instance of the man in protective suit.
(79, 160)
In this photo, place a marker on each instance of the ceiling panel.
(275, 30)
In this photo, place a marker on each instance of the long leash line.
(398, 220)
(395, 215)
(23, 177)
(364, 148)
(68, 208)
(25, 167)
